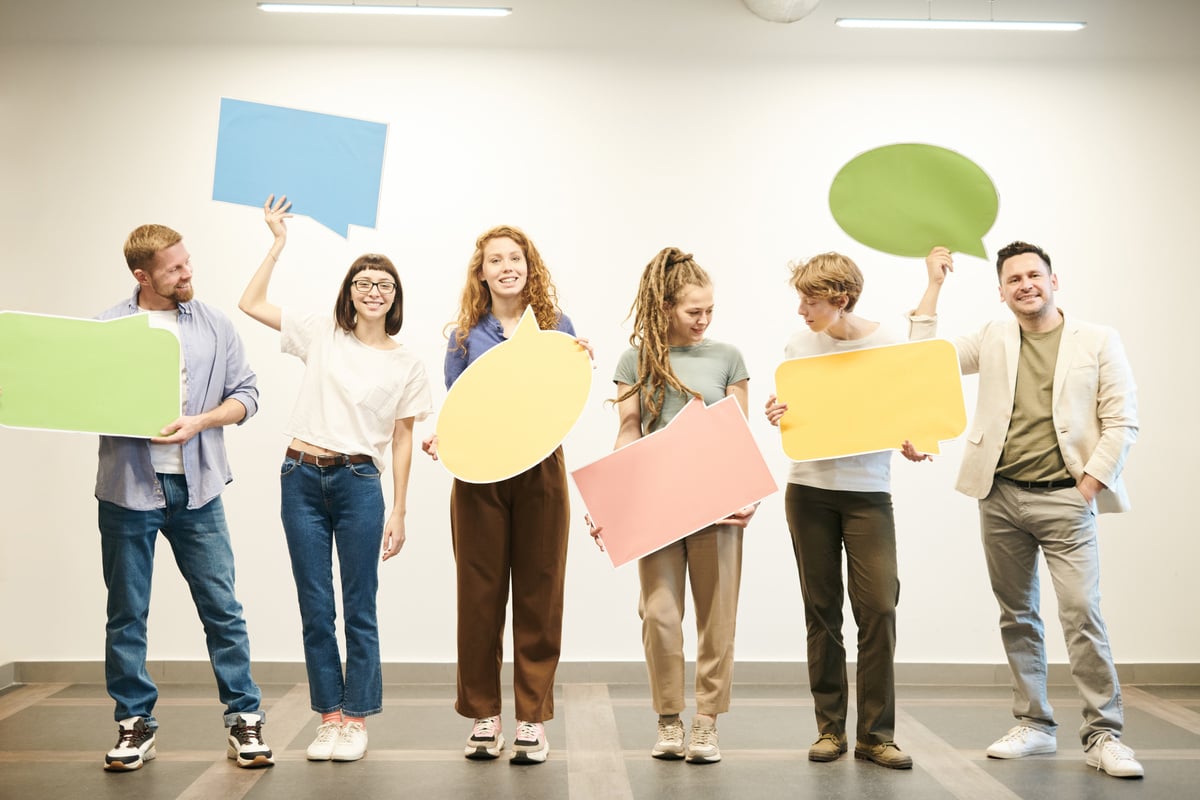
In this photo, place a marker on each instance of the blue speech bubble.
(329, 167)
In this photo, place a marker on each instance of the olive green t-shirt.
(1031, 448)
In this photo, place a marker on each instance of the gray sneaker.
(134, 747)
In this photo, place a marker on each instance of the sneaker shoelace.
(485, 728)
(704, 736)
(1114, 748)
(670, 731)
(529, 732)
(248, 734)
(328, 732)
(350, 730)
(131, 737)
(1017, 735)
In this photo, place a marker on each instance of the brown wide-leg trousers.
(514, 527)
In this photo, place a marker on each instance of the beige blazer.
(1094, 405)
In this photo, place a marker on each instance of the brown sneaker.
(887, 754)
(827, 747)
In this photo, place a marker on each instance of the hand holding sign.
(865, 401)
(118, 377)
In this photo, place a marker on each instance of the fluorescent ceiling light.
(415, 10)
(961, 24)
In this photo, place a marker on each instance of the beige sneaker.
(702, 747)
(670, 741)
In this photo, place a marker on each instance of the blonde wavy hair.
(663, 281)
(476, 300)
(828, 276)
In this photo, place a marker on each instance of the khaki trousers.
(713, 558)
(513, 529)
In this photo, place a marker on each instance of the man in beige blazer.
(1056, 416)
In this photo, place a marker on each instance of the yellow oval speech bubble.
(905, 199)
(514, 405)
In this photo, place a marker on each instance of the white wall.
(603, 159)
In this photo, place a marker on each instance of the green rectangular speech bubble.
(118, 377)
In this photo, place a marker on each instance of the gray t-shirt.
(708, 368)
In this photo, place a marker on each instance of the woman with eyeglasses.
(360, 394)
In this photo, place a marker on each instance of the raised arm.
(254, 300)
(938, 264)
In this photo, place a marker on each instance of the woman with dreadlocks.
(515, 528)
(669, 363)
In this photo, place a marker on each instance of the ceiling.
(1117, 29)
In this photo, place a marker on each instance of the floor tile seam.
(953, 771)
(1166, 710)
(27, 696)
(219, 781)
(595, 768)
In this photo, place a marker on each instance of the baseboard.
(756, 672)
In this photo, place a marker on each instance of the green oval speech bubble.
(906, 199)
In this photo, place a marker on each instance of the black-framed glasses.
(364, 286)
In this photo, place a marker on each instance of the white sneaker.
(485, 740)
(703, 745)
(670, 740)
(1107, 753)
(530, 745)
(134, 747)
(321, 748)
(1021, 741)
(352, 742)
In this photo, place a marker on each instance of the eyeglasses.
(364, 286)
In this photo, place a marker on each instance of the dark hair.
(343, 310)
(1016, 249)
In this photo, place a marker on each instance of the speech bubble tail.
(930, 448)
(528, 325)
(340, 228)
(974, 248)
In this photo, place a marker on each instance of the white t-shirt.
(870, 472)
(168, 458)
(351, 394)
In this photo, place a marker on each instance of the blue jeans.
(321, 507)
(199, 538)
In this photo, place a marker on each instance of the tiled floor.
(52, 737)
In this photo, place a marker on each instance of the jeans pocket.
(288, 466)
(367, 470)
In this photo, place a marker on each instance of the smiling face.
(374, 303)
(167, 280)
(820, 312)
(504, 269)
(1027, 287)
(690, 315)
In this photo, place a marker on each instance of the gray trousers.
(1015, 523)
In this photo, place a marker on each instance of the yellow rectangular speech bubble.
(865, 401)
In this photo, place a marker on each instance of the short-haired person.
(172, 484)
(510, 531)
(360, 394)
(841, 504)
(671, 361)
(1056, 416)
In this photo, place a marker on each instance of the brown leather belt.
(333, 460)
